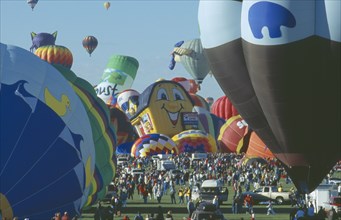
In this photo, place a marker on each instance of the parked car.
(207, 210)
(334, 180)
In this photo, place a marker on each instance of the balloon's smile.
(173, 116)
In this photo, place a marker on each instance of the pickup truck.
(272, 193)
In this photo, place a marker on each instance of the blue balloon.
(47, 151)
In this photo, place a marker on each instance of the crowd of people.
(156, 184)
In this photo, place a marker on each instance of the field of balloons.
(60, 135)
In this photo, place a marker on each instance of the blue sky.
(146, 30)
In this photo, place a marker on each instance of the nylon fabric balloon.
(190, 85)
(192, 57)
(195, 141)
(48, 134)
(106, 5)
(152, 144)
(199, 101)
(223, 108)
(234, 136)
(124, 129)
(273, 77)
(257, 148)
(90, 43)
(104, 135)
(124, 148)
(127, 101)
(42, 39)
(55, 54)
(118, 76)
(32, 3)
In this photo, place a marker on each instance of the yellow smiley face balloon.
(163, 109)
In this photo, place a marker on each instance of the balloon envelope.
(195, 62)
(90, 43)
(47, 134)
(119, 75)
(224, 108)
(195, 141)
(275, 77)
(55, 54)
(152, 144)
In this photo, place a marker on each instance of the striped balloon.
(234, 135)
(223, 108)
(55, 54)
(90, 43)
(258, 148)
(195, 141)
(152, 144)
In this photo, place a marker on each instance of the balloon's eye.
(177, 94)
(162, 95)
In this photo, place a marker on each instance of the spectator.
(300, 214)
(65, 216)
(270, 208)
(138, 216)
(169, 215)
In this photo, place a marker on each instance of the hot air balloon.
(199, 101)
(124, 129)
(42, 39)
(257, 148)
(45, 133)
(32, 3)
(55, 54)
(195, 141)
(152, 144)
(127, 101)
(223, 108)
(208, 122)
(164, 107)
(90, 43)
(234, 136)
(124, 148)
(104, 135)
(119, 75)
(192, 56)
(274, 59)
(190, 85)
(106, 5)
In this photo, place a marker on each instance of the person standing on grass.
(270, 208)
(190, 208)
(172, 194)
(181, 195)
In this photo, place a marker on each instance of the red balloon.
(190, 85)
(234, 136)
(224, 108)
(199, 101)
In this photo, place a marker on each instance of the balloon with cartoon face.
(161, 109)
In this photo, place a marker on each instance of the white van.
(210, 188)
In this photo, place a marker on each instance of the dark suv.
(207, 211)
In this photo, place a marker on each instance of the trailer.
(321, 196)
